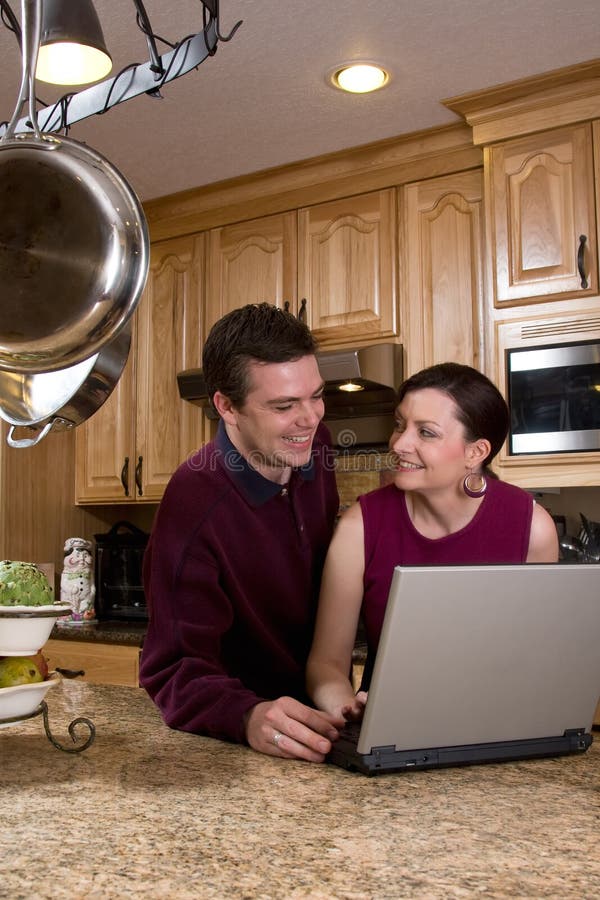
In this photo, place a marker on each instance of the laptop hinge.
(405, 759)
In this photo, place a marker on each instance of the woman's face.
(429, 443)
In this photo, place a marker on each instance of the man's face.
(275, 427)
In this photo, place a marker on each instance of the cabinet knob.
(302, 311)
(138, 475)
(580, 260)
(125, 476)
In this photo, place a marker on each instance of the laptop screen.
(472, 654)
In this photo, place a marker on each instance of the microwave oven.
(554, 398)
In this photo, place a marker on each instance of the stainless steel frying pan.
(74, 247)
(55, 401)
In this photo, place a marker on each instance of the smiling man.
(233, 566)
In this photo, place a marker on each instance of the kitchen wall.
(37, 509)
(569, 502)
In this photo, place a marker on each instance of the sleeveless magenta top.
(498, 533)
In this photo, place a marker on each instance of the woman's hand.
(353, 712)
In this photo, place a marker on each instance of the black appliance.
(119, 554)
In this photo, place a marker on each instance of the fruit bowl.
(23, 699)
(25, 629)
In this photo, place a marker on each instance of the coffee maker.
(119, 554)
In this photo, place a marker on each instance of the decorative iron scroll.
(80, 743)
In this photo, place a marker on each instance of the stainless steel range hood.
(359, 382)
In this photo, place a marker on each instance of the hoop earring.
(471, 491)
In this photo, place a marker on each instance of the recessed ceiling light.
(360, 78)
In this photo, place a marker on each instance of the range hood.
(361, 381)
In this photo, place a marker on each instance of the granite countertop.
(133, 634)
(154, 813)
(109, 632)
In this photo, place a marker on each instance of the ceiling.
(263, 99)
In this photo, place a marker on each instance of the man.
(233, 566)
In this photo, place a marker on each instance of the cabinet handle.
(302, 311)
(286, 306)
(580, 265)
(70, 673)
(138, 476)
(125, 476)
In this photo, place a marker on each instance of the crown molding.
(560, 97)
(356, 170)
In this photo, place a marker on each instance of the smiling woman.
(443, 507)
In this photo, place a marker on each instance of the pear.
(18, 670)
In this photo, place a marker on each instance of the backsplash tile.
(360, 473)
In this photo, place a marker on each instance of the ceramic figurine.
(77, 581)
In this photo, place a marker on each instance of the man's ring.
(277, 735)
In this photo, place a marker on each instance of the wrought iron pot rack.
(134, 79)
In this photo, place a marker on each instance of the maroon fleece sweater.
(231, 574)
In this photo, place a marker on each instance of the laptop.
(480, 664)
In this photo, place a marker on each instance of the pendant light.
(72, 48)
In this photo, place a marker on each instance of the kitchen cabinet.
(442, 270)
(347, 268)
(332, 264)
(99, 663)
(542, 221)
(252, 262)
(129, 449)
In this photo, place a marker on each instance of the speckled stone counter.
(133, 634)
(111, 632)
(149, 812)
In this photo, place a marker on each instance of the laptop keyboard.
(351, 731)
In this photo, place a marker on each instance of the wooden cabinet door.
(541, 199)
(129, 449)
(169, 339)
(105, 444)
(442, 292)
(347, 267)
(251, 262)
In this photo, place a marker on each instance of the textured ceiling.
(263, 100)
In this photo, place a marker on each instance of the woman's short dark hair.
(480, 407)
(256, 332)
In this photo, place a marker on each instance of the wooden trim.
(559, 97)
(466, 105)
(357, 170)
(101, 663)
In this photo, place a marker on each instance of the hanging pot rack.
(134, 79)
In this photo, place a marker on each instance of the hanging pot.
(55, 401)
(74, 248)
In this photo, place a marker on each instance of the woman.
(443, 507)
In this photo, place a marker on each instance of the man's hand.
(285, 727)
